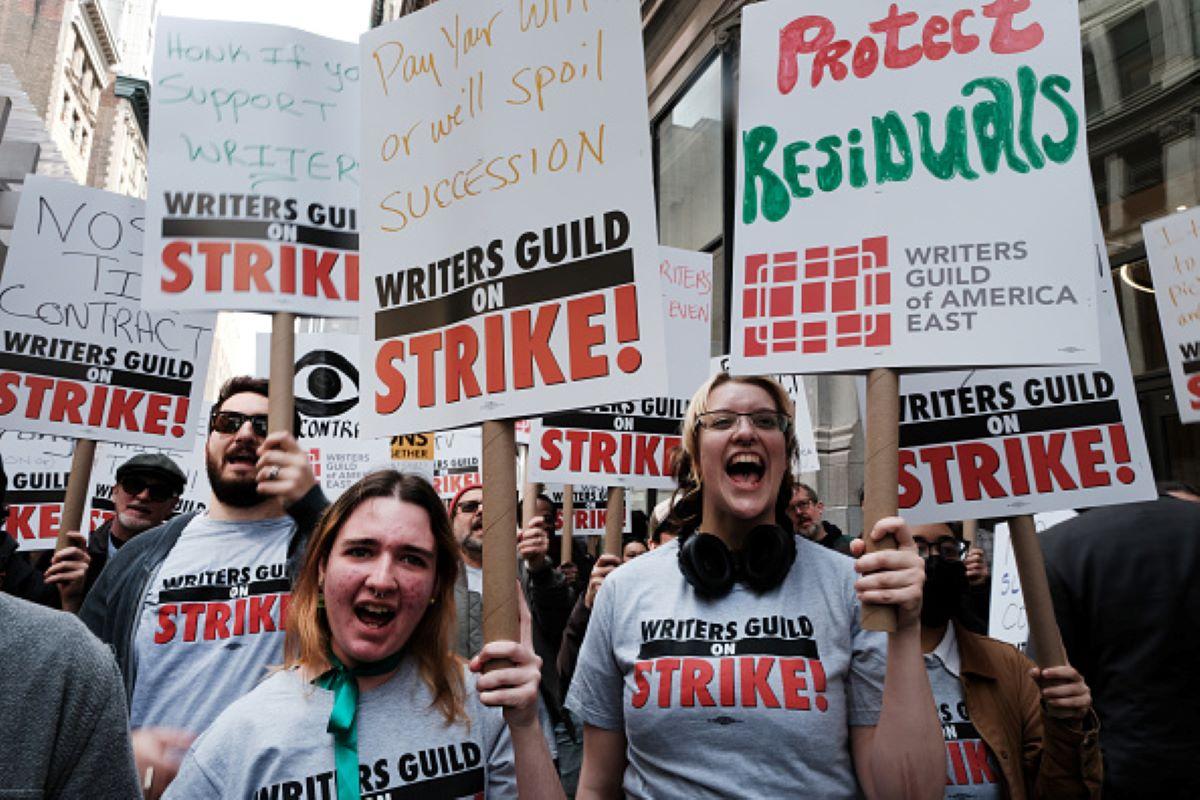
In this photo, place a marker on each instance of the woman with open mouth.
(731, 662)
(371, 699)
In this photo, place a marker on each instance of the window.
(1130, 41)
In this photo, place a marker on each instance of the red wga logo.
(838, 297)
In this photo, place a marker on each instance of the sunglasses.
(468, 506)
(232, 422)
(158, 491)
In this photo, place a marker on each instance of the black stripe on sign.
(28, 497)
(103, 503)
(585, 420)
(210, 593)
(257, 230)
(524, 289)
(459, 784)
(1030, 420)
(704, 648)
(954, 731)
(1191, 367)
(121, 379)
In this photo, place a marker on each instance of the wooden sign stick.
(568, 529)
(281, 403)
(78, 483)
(881, 483)
(1044, 636)
(500, 533)
(614, 521)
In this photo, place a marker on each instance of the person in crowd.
(806, 511)
(744, 640)
(19, 577)
(194, 609)
(1011, 730)
(576, 571)
(657, 524)
(371, 699)
(632, 550)
(1123, 581)
(577, 623)
(146, 490)
(62, 711)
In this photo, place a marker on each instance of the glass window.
(1130, 42)
(688, 140)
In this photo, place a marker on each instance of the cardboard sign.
(687, 281)
(81, 357)
(109, 458)
(625, 444)
(909, 185)
(254, 170)
(37, 467)
(1173, 250)
(508, 214)
(457, 461)
(1006, 610)
(807, 457)
(326, 389)
(590, 511)
(994, 443)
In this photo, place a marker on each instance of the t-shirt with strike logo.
(971, 769)
(773, 682)
(212, 621)
(272, 744)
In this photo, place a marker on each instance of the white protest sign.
(254, 170)
(110, 457)
(994, 443)
(590, 510)
(1173, 250)
(414, 452)
(37, 467)
(326, 390)
(457, 461)
(510, 256)
(807, 457)
(624, 444)
(687, 280)
(1006, 609)
(909, 186)
(81, 357)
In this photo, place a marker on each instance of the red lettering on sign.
(260, 268)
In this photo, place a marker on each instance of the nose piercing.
(377, 595)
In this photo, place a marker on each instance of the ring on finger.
(273, 474)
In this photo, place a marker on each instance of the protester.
(18, 577)
(62, 712)
(194, 610)
(577, 623)
(146, 490)
(1004, 735)
(657, 525)
(632, 550)
(805, 511)
(1123, 580)
(370, 682)
(742, 639)
(576, 571)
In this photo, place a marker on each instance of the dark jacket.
(113, 607)
(572, 640)
(97, 549)
(1126, 595)
(1039, 755)
(834, 539)
(21, 579)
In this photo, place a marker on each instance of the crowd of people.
(277, 645)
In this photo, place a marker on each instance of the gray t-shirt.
(212, 621)
(772, 683)
(273, 743)
(971, 769)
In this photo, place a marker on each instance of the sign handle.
(881, 484)
(614, 521)
(1044, 636)
(970, 530)
(500, 534)
(568, 528)
(78, 483)
(282, 402)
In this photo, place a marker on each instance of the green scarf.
(343, 721)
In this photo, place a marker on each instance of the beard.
(472, 544)
(945, 588)
(236, 493)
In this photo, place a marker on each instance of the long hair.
(307, 640)
(684, 515)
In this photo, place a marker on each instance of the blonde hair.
(307, 640)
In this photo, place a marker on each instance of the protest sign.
(109, 458)
(414, 452)
(589, 512)
(254, 170)
(687, 279)
(511, 266)
(80, 357)
(807, 458)
(457, 461)
(37, 467)
(909, 187)
(1173, 250)
(1006, 610)
(994, 443)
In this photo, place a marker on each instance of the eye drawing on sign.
(328, 394)
(829, 301)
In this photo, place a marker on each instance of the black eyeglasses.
(947, 547)
(468, 506)
(232, 422)
(728, 420)
(158, 491)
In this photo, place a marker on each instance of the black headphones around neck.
(712, 568)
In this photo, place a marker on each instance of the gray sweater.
(62, 709)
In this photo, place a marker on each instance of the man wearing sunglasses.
(195, 609)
